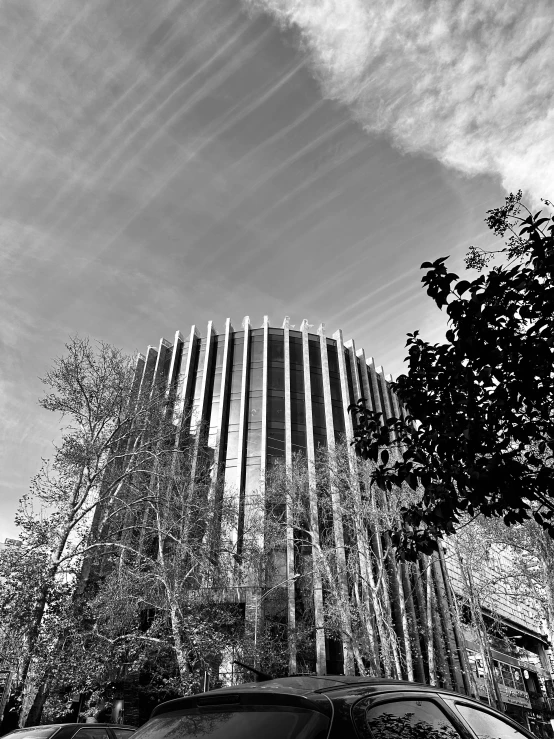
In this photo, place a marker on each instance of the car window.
(253, 721)
(488, 726)
(122, 733)
(91, 732)
(403, 719)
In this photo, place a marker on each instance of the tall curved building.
(253, 396)
(264, 393)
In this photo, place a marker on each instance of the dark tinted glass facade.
(261, 394)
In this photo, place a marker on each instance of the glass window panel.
(338, 418)
(276, 442)
(214, 414)
(236, 381)
(336, 393)
(298, 438)
(256, 332)
(198, 384)
(276, 409)
(314, 352)
(257, 349)
(238, 352)
(297, 381)
(296, 352)
(234, 412)
(349, 378)
(507, 675)
(276, 377)
(409, 719)
(317, 384)
(276, 349)
(298, 411)
(216, 389)
(220, 348)
(486, 725)
(232, 444)
(518, 678)
(254, 442)
(255, 408)
(230, 478)
(320, 439)
(256, 378)
(252, 477)
(318, 414)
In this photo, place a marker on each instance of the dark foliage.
(479, 435)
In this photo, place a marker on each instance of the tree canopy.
(478, 434)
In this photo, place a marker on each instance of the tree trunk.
(424, 614)
(399, 603)
(429, 621)
(447, 625)
(412, 630)
(176, 631)
(458, 636)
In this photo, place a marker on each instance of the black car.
(73, 731)
(329, 708)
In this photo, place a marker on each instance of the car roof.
(307, 686)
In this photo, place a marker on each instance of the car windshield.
(38, 732)
(273, 722)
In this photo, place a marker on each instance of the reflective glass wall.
(260, 394)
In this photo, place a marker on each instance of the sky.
(174, 162)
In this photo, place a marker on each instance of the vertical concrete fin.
(374, 381)
(387, 410)
(147, 374)
(365, 379)
(344, 386)
(202, 419)
(185, 378)
(321, 658)
(265, 327)
(329, 424)
(224, 393)
(290, 568)
(241, 454)
(174, 363)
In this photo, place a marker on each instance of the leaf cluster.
(478, 434)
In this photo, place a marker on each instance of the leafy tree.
(478, 435)
(108, 440)
(384, 612)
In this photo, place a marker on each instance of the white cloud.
(466, 81)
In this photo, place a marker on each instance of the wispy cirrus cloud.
(466, 81)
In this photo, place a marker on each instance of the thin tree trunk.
(412, 630)
(400, 608)
(446, 619)
(438, 638)
(423, 620)
(429, 622)
(458, 636)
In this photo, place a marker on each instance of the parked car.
(74, 731)
(329, 708)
